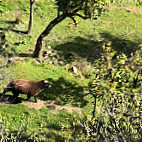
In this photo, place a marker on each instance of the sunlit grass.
(119, 25)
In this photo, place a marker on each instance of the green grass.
(118, 25)
(66, 88)
(42, 119)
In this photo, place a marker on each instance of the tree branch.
(76, 10)
(38, 49)
(116, 127)
(32, 2)
(135, 80)
(81, 16)
(73, 20)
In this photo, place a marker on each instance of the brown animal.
(31, 88)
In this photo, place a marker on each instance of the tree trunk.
(38, 50)
(31, 16)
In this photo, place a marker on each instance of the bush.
(116, 89)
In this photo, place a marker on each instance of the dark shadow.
(25, 55)
(11, 26)
(13, 30)
(14, 22)
(91, 49)
(121, 45)
(64, 92)
(2, 42)
(26, 136)
(9, 99)
(82, 47)
(53, 136)
(19, 32)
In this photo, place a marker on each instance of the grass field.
(120, 25)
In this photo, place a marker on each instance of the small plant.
(5, 73)
(84, 66)
(19, 135)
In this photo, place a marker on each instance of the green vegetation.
(118, 28)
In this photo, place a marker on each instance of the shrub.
(116, 89)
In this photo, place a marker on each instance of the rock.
(49, 47)
(13, 60)
(74, 69)
(51, 62)
(49, 52)
(77, 71)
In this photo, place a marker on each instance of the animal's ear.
(45, 81)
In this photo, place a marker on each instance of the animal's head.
(46, 84)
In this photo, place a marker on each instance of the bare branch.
(73, 20)
(117, 130)
(33, 1)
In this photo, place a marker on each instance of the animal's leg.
(15, 94)
(35, 99)
(6, 90)
(28, 96)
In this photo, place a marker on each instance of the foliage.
(66, 89)
(89, 8)
(5, 73)
(116, 89)
(32, 125)
(6, 135)
(66, 38)
(120, 26)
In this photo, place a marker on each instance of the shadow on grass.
(53, 136)
(49, 136)
(11, 26)
(121, 45)
(64, 92)
(25, 55)
(9, 99)
(13, 30)
(82, 47)
(92, 49)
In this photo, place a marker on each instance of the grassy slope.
(121, 27)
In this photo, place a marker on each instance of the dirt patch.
(129, 8)
(112, 7)
(40, 104)
(134, 9)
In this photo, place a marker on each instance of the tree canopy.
(82, 8)
(70, 8)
